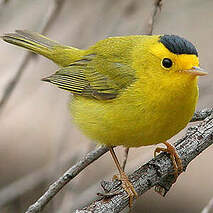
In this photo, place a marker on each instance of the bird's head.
(169, 54)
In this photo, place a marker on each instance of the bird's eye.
(167, 63)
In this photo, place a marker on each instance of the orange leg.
(178, 167)
(127, 185)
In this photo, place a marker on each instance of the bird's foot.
(127, 186)
(177, 162)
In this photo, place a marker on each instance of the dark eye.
(167, 63)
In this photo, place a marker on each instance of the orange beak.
(197, 71)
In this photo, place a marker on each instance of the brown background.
(35, 127)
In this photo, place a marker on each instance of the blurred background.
(38, 141)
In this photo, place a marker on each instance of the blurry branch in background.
(19, 187)
(156, 7)
(208, 208)
(52, 12)
(155, 172)
(65, 178)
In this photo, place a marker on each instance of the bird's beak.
(197, 71)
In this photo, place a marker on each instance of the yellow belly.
(142, 115)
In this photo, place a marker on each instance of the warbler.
(131, 90)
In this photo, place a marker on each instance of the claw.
(177, 162)
(128, 187)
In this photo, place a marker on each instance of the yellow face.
(171, 62)
(164, 56)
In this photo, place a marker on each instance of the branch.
(157, 172)
(52, 13)
(208, 207)
(32, 180)
(201, 114)
(65, 178)
(156, 7)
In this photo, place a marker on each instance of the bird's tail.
(39, 44)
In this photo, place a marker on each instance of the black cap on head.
(178, 45)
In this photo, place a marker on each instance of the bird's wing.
(94, 76)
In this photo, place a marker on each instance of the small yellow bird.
(132, 90)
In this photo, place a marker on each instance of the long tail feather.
(39, 44)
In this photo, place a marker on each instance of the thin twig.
(32, 180)
(156, 7)
(156, 172)
(52, 13)
(65, 178)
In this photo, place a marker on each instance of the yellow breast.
(146, 113)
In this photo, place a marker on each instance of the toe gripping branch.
(162, 188)
(122, 179)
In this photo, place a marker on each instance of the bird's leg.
(127, 185)
(126, 152)
(177, 163)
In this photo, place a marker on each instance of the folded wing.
(94, 77)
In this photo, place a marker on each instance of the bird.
(129, 91)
